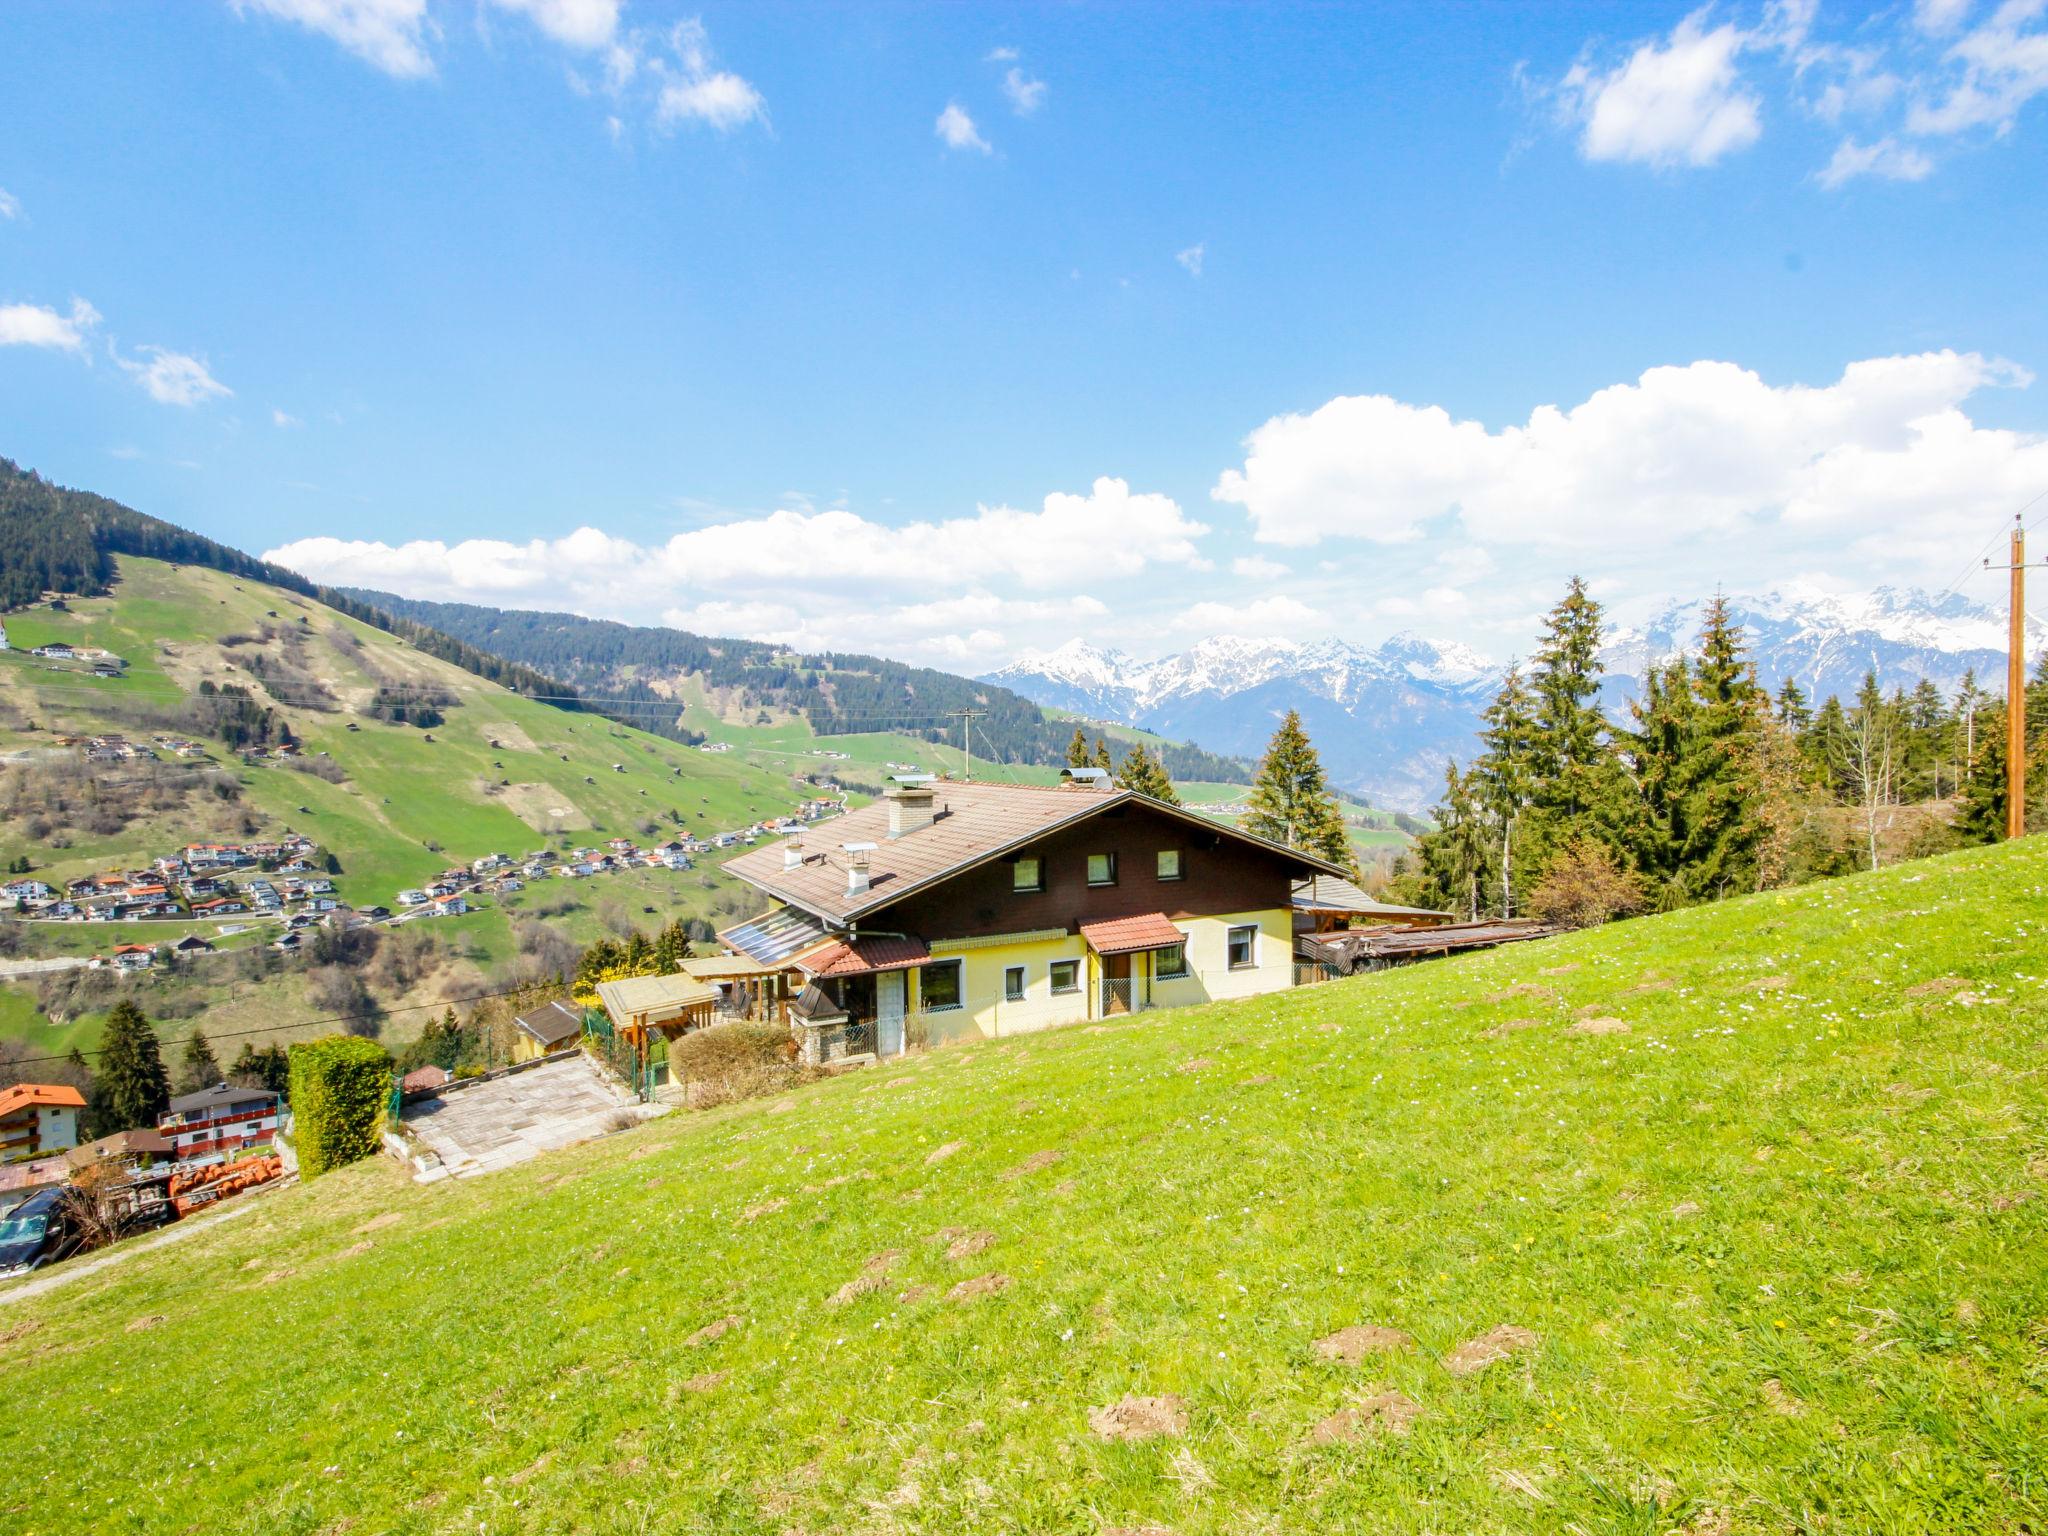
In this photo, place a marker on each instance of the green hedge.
(340, 1086)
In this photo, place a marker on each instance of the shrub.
(741, 1060)
(1585, 886)
(340, 1085)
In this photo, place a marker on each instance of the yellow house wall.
(985, 1013)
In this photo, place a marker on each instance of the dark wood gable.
(1219, 874)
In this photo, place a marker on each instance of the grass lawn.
(1770, 1260)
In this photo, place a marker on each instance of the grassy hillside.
(1765, 1251)
(500, 772)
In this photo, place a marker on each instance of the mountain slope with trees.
(640, 671)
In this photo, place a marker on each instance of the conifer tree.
(1102, 757)
(132, 1083)
(1141, 771)
(1578, 786)
(1500, 781)
(1077, 750)
(1721, 767)
(1664, 725)
(199, 1069)
(639, 953)
(1792, 710)
(1452, 863)
(1291, 801)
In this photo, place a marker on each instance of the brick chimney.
(857, 867)
(910, 806)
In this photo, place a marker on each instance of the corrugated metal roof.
(1127, 935)
(1333, 893)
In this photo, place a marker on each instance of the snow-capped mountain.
(1388, 717)
(1385, 717)
(1826, 642)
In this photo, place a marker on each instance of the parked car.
(33, 1234)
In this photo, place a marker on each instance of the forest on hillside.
(57, 540)
(839, 693)
(1714, 785)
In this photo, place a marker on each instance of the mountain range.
(1388, 717)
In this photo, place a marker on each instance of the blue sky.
(950, 331)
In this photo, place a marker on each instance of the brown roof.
(1125, 935)
(859, 957)
(552, 1023)
(975, 823)
(425, 1077)
(136, 1143)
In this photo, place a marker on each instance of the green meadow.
(1728, 1220)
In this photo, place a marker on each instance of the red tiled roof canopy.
(1126, 935)
(862, 956)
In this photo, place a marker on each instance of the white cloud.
(1026, 95)
(999, 55)
(1257, 568)
(2000, 67)
(1886, 158)
(1263, 616)
(1704, 457)
(864, 584)
(585, 24)
(33, 325)
(174, 378)
(284, 419)
(695, 90)
(958, 130)
(10, 205)
(1939, 17)
(391, 34)
(1191, 258)
(1678, 102)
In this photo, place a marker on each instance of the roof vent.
(857, 867)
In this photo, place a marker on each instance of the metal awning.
(1128, 935)
(775, 936)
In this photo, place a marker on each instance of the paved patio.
(510, 1119)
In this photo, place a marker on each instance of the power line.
(338, 1018)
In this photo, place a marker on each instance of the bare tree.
(1866, 761)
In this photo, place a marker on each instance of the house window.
(1066, 976)
(1013, 984)
(1027, 875)
(938, 986)
(1102, 869)
(1169, 864)
(1170, 963)
(1243, 947)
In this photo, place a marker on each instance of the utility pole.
(966, 717)
(2016, 686)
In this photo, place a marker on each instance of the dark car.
(32, 1234)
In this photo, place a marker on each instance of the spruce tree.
(1102, 758)
(132, 1081)
(199, 1069)
(1721, 767)
(1499, 786)
(1077, 750)
(1291, 801)
(1664, 724)
(1141, 771)
(1793, 712)
(1453, 861)
(1577, 784)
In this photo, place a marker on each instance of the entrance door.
(1116, 984)
(889, 1013)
